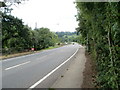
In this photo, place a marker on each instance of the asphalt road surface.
(30, 71)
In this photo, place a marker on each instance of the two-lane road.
(27, 71)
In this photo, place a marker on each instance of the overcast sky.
(57, 15)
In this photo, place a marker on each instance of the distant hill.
(67, 36)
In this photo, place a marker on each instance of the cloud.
(58, 15)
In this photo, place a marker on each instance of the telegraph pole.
(35, 25)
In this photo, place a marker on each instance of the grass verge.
(25, 53)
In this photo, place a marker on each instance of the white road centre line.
(38, 82)
(17, 65)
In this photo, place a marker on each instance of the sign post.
(32, 49)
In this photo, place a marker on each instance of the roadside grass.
(26, 53)
(52, 47)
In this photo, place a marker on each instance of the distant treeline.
(61, 34)
(68, 36)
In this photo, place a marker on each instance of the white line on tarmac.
(18, 65)
(38, 82)
(9, 59)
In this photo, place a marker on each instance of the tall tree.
(14, 34)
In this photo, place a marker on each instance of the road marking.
(17, 65)
(17, 57)
(38, 82)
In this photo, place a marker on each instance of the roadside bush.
(99, 26)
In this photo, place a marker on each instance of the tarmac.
(73, 77)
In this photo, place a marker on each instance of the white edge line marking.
(38, 82)
(17, 65)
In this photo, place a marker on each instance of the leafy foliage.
(99, 26)
(18, 37)
(67, 36)
(44, 38)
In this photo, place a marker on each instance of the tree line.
(17, 37)
(67, 37)
(99, 28)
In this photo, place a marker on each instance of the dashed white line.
(38, 82)
(18, 65)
